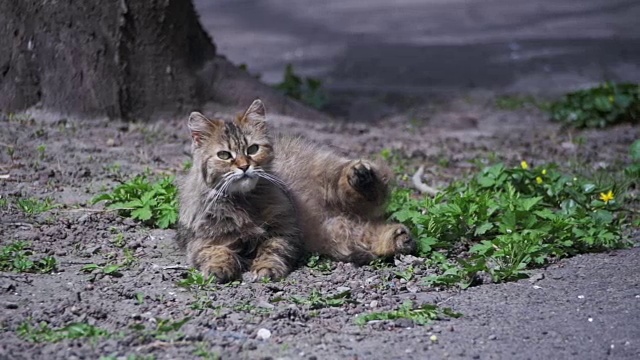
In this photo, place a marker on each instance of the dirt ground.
(586, 307)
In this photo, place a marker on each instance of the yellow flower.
(544, 171)
(606, 197)
(524, 165)
(539, 180)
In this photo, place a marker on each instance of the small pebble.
(264, 334)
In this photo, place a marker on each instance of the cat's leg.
(361, 241)
(218, 260)
(275, 257)
(364, 188)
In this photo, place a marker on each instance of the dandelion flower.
(524, 165)
(606, 197)
(544, 171)
(539, 180)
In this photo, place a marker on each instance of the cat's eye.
(224, 155)
(251, 150)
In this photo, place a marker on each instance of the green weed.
(34, 206)
(420, 315)
(308, 90)
(42, 149)
(128, 357)
(319, 263)
(250, 308)
(152, 203)
(600, 106)
(510, 220)
(633, 170)
(164, 330)
(110, 269)
(316, 300)
(195, 280)
(17, 257)
(203, 352)
(515, 102)
(44, 333)
(406, 274)
(398, 162)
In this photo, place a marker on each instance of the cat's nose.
(244, 168)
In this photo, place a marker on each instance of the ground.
(585, 307)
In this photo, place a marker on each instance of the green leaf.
(111, 269)
(142, 214)
(482, 229)
(528, 204)
(90, 267)
(634, 151)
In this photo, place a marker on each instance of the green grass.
(195, 280)
(109, 269)
(633, 170)
(320, 263)
(420, 315)
(33, 206)
(164, 329)
(308, 90)
(203, 352)
(154, 203)
(128, 357)
(504, 221)
(516, 102)
(317, 300)
(17, 257)
(44, 333)
(600, 106)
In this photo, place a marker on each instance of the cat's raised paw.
(362, 178)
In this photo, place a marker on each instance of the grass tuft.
(155, 203)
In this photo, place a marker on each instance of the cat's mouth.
(243, 182)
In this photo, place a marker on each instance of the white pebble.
(264, 334)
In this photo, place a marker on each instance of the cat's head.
(231, 156)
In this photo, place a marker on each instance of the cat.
(257, 202)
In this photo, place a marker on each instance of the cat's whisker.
(274, 180)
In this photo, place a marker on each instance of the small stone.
(249, 346)
(536, 277)
(342, 289)
(492, 337)
(403, 323)
(84, 218)
(433, 338)
(10, 305)
(263, 334)
(265, 304)
(111, 142)
(373, 304)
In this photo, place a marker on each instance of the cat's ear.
(255, 113)
(201, 128)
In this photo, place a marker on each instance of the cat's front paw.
(219, 261)
(267, 271)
